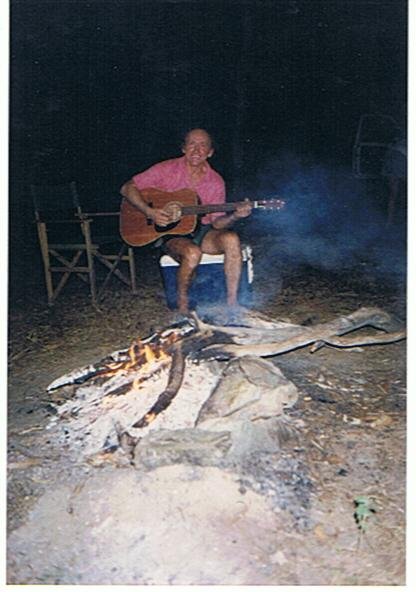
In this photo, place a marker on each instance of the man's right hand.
(132, 194)
(159, 217)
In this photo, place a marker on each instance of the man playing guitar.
(214, 237)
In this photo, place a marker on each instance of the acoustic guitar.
(184, 208)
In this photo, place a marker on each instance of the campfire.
(196, 388)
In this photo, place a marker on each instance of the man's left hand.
(243, 210)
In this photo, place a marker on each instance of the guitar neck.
(210, 208)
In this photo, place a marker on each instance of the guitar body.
(137, 230)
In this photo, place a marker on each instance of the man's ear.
(210, 153)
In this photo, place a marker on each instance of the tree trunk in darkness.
(242, 68)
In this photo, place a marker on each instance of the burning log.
(134, 359)
(175, 379)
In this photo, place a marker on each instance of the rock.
(249, 402)
(250, 389)
(253, 437)
(185, 446)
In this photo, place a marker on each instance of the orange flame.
(142, 356)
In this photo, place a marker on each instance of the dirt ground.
(73, 523)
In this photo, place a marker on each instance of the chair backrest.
(53, 198)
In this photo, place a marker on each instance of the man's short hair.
(191, 129)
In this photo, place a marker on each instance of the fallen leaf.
(320, 533)
(382, 421)
(333, 459)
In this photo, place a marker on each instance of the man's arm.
(130, 192)
(223, 222)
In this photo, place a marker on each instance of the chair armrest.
(69, 221)
(100, 214)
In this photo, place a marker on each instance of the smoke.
(331, 220)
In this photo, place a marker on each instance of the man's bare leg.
(226, 242)
(188, 256)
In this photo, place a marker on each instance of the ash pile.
(230, 413)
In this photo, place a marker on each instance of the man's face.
(197, 147)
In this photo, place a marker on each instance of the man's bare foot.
(236, 313)
(179, 316)
(236, 308)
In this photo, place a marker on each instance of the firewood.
(364, 340)
(175, 379)
(372, 317)
(126, 441)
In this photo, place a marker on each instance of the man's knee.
(191, 255)
(231, 241)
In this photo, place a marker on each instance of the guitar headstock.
(271, 204)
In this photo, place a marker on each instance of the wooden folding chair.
(73, 238)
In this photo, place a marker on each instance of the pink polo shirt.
(172, 175)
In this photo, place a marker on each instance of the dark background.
(102, 89)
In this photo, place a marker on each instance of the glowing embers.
(138, 355)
